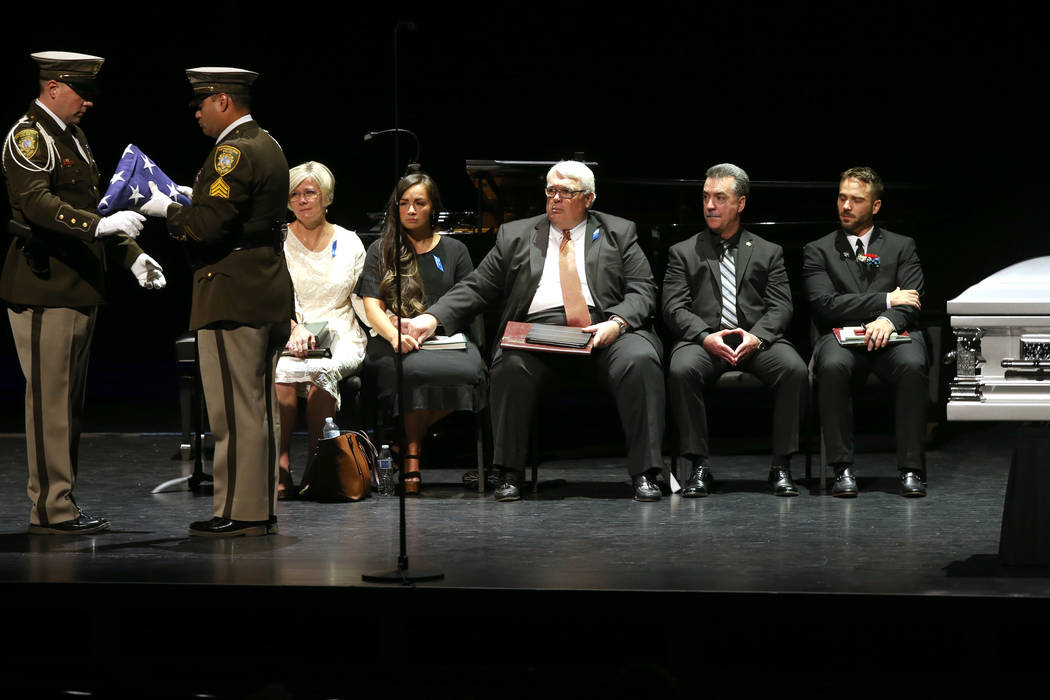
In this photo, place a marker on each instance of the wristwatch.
(621, 323)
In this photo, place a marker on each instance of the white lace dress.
(324, 283)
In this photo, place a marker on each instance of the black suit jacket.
(841, 293)
(692, 293)
(618, 276)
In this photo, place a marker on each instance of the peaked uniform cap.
(211, 80)
(78, 70)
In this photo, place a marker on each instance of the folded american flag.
(129, 186)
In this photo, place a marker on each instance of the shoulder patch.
(28, 141)
(226, 159)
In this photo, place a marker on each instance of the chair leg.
(534, 442)
(186, 415)
(823, 464)
(535, 471)
(810, 419)
(479, 429)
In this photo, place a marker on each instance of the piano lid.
(511, 189)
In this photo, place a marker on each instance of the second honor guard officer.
(53, 279)
(727, 301)
(577, 267)
(863, 274)
(242, 296)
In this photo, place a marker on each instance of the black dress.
(438, 380)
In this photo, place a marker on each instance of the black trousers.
(692, 370)
(630, 368)
(840, 370)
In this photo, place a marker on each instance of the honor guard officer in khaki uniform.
(53, 278)
(242, 296)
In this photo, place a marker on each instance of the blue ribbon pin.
(594, 236)
(437, 261)
(334, 244)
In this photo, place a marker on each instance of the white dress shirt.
(865, 238)
(548, 294)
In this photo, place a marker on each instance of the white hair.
(319, 173)
(574, 170)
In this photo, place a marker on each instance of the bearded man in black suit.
(864, 275)
(727, 301)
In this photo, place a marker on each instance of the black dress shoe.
(911, 484)
(508, 489)
(781, 482)
(80, 525)
(645, 488)
(224, 527)
(845, 483)
(700, 484)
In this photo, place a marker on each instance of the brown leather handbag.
(341, 470)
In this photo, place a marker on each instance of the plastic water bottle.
(331, 430)
(385, 465)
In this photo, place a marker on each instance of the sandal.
(415, 486)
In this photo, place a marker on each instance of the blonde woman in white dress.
(324, 261)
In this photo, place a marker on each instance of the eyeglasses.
(305, 195)
(562, 192)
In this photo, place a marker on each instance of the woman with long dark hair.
(437, 382)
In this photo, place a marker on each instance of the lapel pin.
(747, 243)
(594, 236)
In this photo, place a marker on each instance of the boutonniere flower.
(869, 261)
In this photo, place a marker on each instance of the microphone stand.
(402, 574)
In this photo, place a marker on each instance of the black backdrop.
(941, 101)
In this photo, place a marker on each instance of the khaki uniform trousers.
(54, 345)
(237, 369)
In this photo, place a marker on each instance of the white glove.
(126, 222)
(148, 272)
(158, 204)
(183, 189)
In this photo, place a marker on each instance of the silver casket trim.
(993, 320)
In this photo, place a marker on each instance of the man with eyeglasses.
(727, 303)
(53, 278)
(577, 267)
(242, 296)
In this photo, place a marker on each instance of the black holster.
(32, 247)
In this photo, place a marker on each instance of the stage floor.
(581, 531)
(580, 549)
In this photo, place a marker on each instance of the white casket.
(1002, 330)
